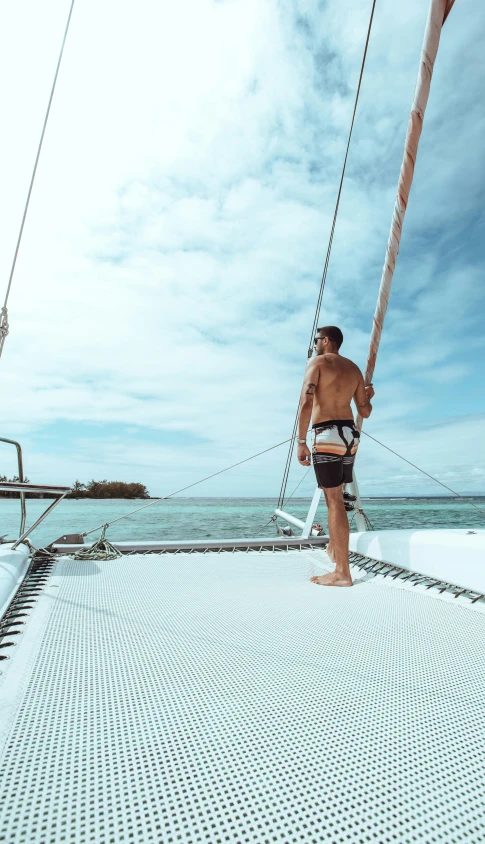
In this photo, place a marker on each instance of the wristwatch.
(301, 442)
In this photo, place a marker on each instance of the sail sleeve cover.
(434, 23)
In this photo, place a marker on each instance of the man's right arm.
(310, 382)
(362, 397)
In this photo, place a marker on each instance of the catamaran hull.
(453, 556)
(13, 567)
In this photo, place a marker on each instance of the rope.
(98, 546)
(368, 522)
(102, 549)
(286, 472)
(189, 486)
(299, 483)
(327, 259)
(425, 473)
(4, 312)
(273, 517)
(284, 482)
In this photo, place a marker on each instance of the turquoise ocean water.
(212, 518)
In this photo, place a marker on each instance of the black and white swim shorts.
(334, 447)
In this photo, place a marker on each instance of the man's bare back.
(331, 382)
(337, 381)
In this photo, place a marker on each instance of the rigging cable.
(424, 473)
(274, 517)
(189, 486)
(286, 473)
(105, 525)
(4, 312)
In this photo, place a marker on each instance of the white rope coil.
(102, 549)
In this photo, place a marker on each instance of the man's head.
(328, 339)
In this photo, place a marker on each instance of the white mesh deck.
(225, 698)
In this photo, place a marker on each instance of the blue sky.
(171, 261)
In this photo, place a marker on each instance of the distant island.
(94, 489)
(108, 489)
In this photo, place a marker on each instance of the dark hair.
(333, 333)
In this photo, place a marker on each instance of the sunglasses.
(317, 339)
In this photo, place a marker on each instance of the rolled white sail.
(438, 12)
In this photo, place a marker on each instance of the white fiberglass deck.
(456, 555)
(225, 698)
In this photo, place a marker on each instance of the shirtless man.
(331, 382)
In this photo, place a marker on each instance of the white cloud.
(179, 222)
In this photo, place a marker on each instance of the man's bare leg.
(329, 548)
(338, 528)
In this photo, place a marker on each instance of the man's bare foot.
(331, 579)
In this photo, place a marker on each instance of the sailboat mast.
(438, 12)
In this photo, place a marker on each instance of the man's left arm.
(310, 382)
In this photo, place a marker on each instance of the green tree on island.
(108, 489)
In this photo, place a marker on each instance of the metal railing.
(23, 514)
(34, 489)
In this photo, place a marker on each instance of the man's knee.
(333, 496)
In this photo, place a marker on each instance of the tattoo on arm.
(310, 391)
